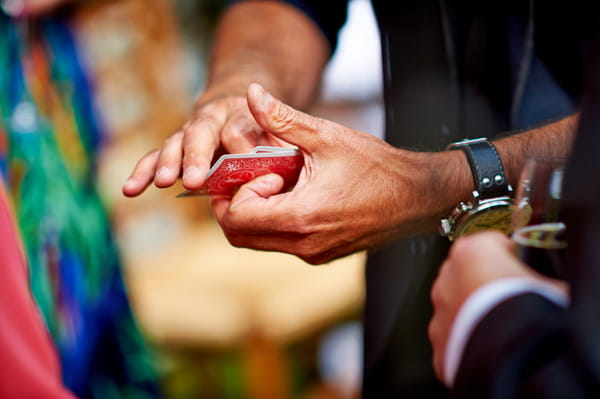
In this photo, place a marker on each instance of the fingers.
(283, 121)
(189, 152)
(241, 133)
(227, 123)
(199, 142)
(142, 175)
(434, 334)
(257, 218)
(253, 195)
(441, 322)
(473, 261)
(262, 187)
(169, 161)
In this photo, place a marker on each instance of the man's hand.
(29, 8)
(473, 261)
(222, 125)
(354, 192)
(269, 42)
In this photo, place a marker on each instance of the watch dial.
(494, 219)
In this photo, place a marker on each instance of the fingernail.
(261, 97)
(266, 100)
(14, 8)
(163, 171)
(130, 184)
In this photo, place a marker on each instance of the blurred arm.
(271, 43)
(266, 42)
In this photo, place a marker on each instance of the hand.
(473, 261)
(221, 123)
(355, 191)
(29, 8)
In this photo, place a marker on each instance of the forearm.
(270, 43)
(448, 179)
(550, 140)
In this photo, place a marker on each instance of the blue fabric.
(49, 139)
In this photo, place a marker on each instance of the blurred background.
(222, 322)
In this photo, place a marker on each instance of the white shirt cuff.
(480, 303)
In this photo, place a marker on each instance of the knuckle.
(190, 127)
(238, 128)
(233, 133)
(191, 157)
(311, 252)
(173, 139)
(206, 108)
(300, 226)
(151, 155)
(304, 250)
(311, 260)
(234, 239)
(204, 122)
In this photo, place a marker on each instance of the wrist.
(451, 183)
(435, 182)
(235, 84)
(491, 204)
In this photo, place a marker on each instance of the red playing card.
(233, 170)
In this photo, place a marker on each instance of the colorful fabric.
(29, 366)
(49, 137)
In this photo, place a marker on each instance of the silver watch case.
(478, 214)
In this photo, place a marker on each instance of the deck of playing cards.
(233, 170)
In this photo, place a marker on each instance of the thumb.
(253, 194)
(261, 187)
(281, 120)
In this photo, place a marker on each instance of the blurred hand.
(29, 8)
(220, 125)
(354, 192)
(473, 261)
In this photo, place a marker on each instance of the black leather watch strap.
(486, 167)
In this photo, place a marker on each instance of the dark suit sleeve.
(528, 347)
(522, 348)
(329, 15)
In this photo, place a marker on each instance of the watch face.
(494, 218)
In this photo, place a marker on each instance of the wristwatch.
(492, 204)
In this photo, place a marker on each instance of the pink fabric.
(29, 366)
